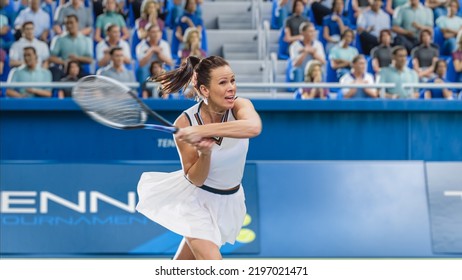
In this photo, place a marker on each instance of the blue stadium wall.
(324, 179)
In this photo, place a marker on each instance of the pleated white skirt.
(174, 203)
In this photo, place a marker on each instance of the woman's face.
(73, 70)
(386, 39)
(222, 90)
(193, 38)
(316, 72)
(339, 5)
(151, 8)
(441, 69)
(299, 8)
(191, 7)
(348, 38)
(453, 9)
(426, 38)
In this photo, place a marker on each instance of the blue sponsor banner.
(51, 208)
(444, 181)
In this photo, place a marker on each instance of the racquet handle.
(168, 129)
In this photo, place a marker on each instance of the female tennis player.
(204, 202)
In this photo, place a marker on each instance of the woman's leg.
(203, 249)
(184, 252)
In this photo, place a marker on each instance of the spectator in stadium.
(409, 21)
(358, 76)
(360, 6)
(370, 23)
(150, 49)
(440, 70)
(110, 16)
(155, 70)
(301, 52)
(292, 24)
(188, 19)
(31, 71)
(398, 73)
(78, 8)
(457, 58)
(149, 15)
(335, 24)
(342, 55)
(71, 46)
(321, 9)
(392, 5)
(438, 7)
(38, 16)
(192, 44)
(73, 74)
(28, 39)
(314, 74)
(116, 69)
(178, 10)
(381, 55)
(112, 40)
(8, 10)
(2, 61)
(424, 57)
(450, 25)
(6, 36)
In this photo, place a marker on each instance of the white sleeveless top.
(228, 154)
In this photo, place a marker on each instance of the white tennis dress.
(170, 200)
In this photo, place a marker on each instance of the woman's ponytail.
(175, 80)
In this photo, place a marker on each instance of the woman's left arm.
(247, 125)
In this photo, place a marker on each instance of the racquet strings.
(108, 102)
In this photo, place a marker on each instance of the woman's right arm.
(195, 159)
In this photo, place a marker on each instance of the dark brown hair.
(178, 79)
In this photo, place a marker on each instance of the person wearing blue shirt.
(188, 19)
(335, 24)
(440, 69)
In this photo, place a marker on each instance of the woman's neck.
(215, 115)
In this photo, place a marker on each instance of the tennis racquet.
(113, 104)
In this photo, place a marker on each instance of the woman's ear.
(204, 91)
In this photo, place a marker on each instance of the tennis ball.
(247, 220)
(246, 236)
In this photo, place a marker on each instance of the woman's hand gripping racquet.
(112, 104)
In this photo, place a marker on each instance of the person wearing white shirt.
(39, 17)
(150, 49)
(28, 40)
(301, 52)
(112, 40)
(359, 76)
(369, 25)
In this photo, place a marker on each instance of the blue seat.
(131, 15)
(350, 13)
(357, 44)
(169, 21)
(369, 64)
(331, 74)
(438, 38)
(134, 42)
(283, 46)
(274, 20)
(298, 94)
(6, 68)
(451, 74)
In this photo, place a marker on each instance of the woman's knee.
(204, 249)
